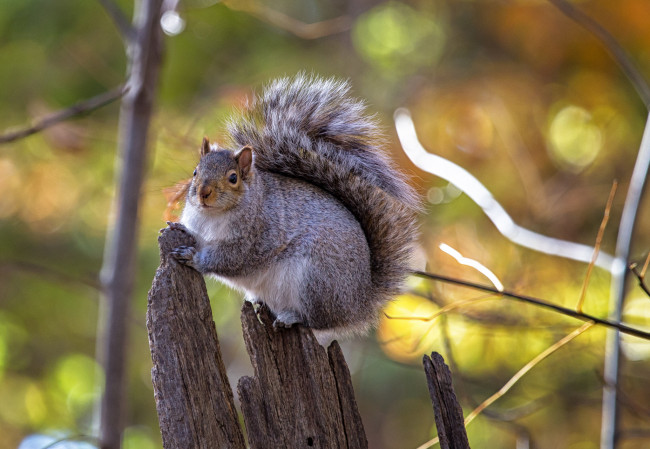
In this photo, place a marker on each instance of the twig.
(551, 349)
(641, 278)
(448, 308)
(640, 275)
(43, 271)
(599, 239)
(119, 19)
(80, 108)
(301, 29)
(80, 437)
(618, 288)
(539, 302)
(610, 44)
(514, 379)
(530, 365)
(645, 265)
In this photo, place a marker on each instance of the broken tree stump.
(447, 411)
(300, 395)
(195, 404)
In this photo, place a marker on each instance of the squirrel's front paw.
(176, 226)
(184, 255)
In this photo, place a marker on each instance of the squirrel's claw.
(286, 319)
(176, 226)
(184, 254)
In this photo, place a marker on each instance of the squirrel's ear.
(205, 147)
(244, 159)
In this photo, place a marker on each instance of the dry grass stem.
(442, 311)
(530, 365)
(449, 307)
(300, 29)
(514, 379)
(599, 239)
(645, 266)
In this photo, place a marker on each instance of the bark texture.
(301, 395)
(447, 410)
(118, 270)
(193, 397)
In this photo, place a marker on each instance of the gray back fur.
(310, 128)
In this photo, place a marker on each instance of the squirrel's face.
(220, 179)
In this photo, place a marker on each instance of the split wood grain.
(447, 411)
(193, 397)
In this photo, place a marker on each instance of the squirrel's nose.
(205, 192)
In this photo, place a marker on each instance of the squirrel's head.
(221, 178)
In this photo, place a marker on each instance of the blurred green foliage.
(514, 92)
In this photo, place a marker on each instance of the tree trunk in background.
(119, 268)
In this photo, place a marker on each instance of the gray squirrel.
(304, 213)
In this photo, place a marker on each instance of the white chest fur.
(278, 284)
(205, 227)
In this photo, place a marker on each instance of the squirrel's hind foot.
(286, 319)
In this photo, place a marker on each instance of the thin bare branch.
(640, 275)
(551, 349)
(294, 26)
(645, 265)
(73, 438)
(119, 19)
(609, 426)
(83, 107)
(611, 45)
(641, 278)
(518, 375)
(599, 239)
(446, 309)
(539, 302)
(119, 266)
(527, 367)
(48, 272)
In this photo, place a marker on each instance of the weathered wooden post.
(193, 397)
(300, 395)
(446, 409)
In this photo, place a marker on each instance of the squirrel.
(303, 212)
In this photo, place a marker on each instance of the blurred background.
(511, 90)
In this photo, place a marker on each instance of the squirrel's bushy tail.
(311, 128)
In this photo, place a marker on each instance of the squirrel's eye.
(232, 179)
(194, 174)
